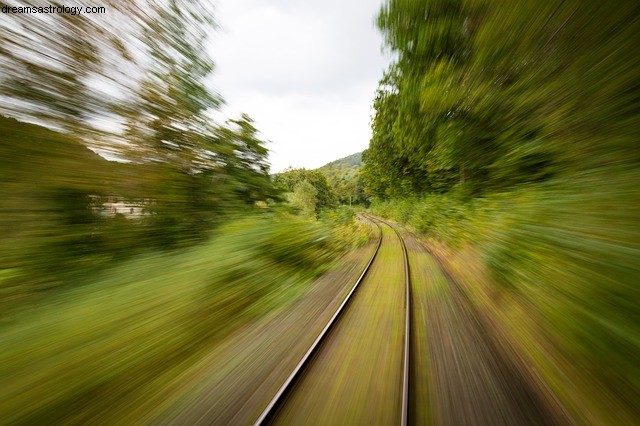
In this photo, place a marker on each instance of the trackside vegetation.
(509, 132)
(144, 321)
(128, 254)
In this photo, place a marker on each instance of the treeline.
(307, 191)
(509, 132)
(132, 86)
(490, 96)
(334, 184)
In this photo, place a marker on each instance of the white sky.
(305, 71)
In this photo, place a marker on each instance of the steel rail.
(275, 402)
(407, 330)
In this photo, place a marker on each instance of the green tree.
(167, 121)
(184, 173)
(289, 179)
(199, 171)
(54, 66)
(445, 111)
(243, 157)
(523, 101)
(304, 198)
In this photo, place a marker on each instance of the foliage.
(344, 177)
(204, 170)
(66, 208)
(47, 218)
(304, 198)
(349, 162)
(473, 99)
(48, 65)
(151, 318)
(178, 173)
(291, 181)
(347, 230)
(513, 129)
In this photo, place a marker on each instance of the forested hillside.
(337, 182)
(509, 137)
(344, 177)
(352, 161)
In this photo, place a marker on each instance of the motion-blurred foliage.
(347, 230)
(492, 95)
(131, 331)
(513, 127)
(131, 86)
(109, 162)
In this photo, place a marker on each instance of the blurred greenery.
(346, 229)
(149, 318)
(513, 129)
(136, 231)
(66, 208)
(174, 172)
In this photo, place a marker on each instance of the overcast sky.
(305, 71)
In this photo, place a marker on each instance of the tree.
(54, 65)
(289, 179)
(304, 198)
(243, 157)
(462, 105)
(199, 171)
(184, 170)
(167, 122)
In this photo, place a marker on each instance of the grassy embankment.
(128, 332)
(556, 265)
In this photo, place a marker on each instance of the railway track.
(407, 331)
(290, 385)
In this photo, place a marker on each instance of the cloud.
(305, 71)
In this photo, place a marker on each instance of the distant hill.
(353, 160)
(344, 176)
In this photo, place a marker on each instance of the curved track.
(407, 331)
(304, 365)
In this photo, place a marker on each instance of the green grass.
(87, 351)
